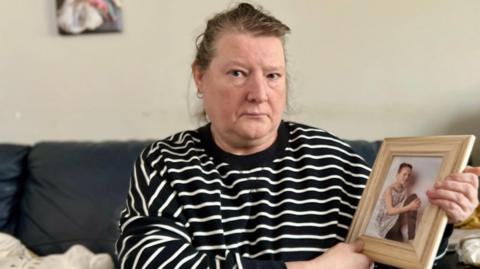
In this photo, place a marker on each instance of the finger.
(454, 213)
(469, 178)
(471, 169)
(460, 187)
(357, 246)
(453, 197)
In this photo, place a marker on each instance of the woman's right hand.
(414, 205)
(341, 256)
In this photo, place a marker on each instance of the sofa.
(57, 194)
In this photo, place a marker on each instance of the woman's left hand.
(457, 195)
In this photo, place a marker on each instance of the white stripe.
(199, 260)
(182, 154)
(441, 254)
(287, 168)
(270, 181)
(273, 251)
(154, 255)
(139, 253)
(162, 173)
(286, 223)
(122, 248)
(239, 261)
(132, 203)
(177, 213)
(185, 135)
(172, 229)
(144, 172)
(269, 239)
(202, 205)
(154, 162)
(199, 158)
(286, 212)
(161, 238)
(184, 260)
(220, 165)
(328, 156)
(293, 201)
(166, 203)
(206, 218)
(173, 170)
(155, 194)
(142, 199)
(184, 193)
(180, 145)
(174, 256)
(323, 147)
(313, 189)
(265, 226)
(306, 130)
(265, 214)
(153, 174)
(219, 231)
(128, 221)
(319, 137)
(318, 190)
(124, 242)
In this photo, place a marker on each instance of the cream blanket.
(13, 254)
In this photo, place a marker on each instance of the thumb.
(471, 169)
(357, 246)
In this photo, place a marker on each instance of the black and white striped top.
(192, 205)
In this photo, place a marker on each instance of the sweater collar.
(252, 160)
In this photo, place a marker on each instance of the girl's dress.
(383, 221)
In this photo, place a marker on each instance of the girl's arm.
(391, 210)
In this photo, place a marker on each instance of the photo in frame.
(404, 169)
(76, 17)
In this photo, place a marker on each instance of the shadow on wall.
(468, 124)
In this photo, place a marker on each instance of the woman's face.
(404, 175)
(244, 89)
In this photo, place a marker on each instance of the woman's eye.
(236, 73)
(273, 76)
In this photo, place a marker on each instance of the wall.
(361, 69)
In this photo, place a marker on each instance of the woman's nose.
(257, 89)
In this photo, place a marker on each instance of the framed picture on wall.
(394, 218)
(89, 16)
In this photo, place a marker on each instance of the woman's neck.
(238, 146)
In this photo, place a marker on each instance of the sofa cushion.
(12, 164)
(368, 150)
(74, 195)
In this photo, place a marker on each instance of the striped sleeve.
(154, 232)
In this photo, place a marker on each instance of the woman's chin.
(257, 132)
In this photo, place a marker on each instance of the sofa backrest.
(13, 161)
(74, 194)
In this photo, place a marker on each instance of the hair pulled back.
(244, 18)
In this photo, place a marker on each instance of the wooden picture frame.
(431, 159)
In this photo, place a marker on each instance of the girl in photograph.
(392, 202)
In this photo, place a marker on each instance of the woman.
(391, 204)
(249, 190)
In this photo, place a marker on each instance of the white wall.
(361, 69)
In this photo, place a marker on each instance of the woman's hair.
(403, 165)
(244, 18)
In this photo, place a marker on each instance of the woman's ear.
(197, 75)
